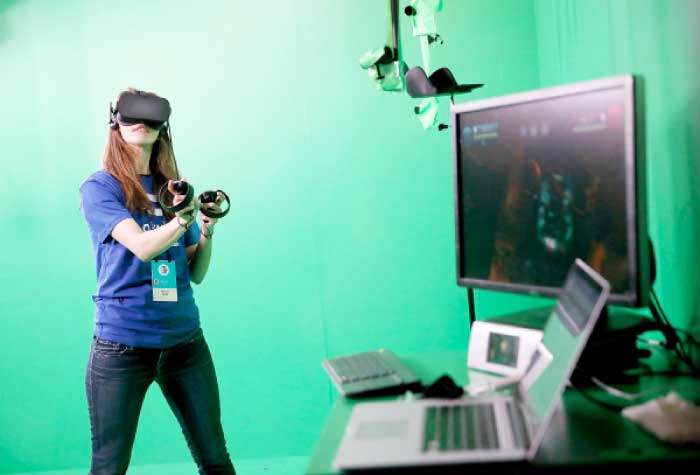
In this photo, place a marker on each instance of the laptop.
(486, 428)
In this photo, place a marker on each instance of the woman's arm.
(148, 244)
(199, 254)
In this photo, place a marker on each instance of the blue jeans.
(116, 382)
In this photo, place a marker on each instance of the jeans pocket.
(110, 348)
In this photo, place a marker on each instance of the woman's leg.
(187, 378)
(116, 381)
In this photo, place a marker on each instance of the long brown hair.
(119, 160)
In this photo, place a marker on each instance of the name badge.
(164, 280)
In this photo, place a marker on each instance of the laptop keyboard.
(360, 367)
(517, 424)
(471, 426)
(370, 373)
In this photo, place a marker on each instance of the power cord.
(673, 341)
(598, 402)
(629, 398)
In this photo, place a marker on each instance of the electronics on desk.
(431, 432)
(503, 355)
(372, 373)
(481, 382)
(500, 348)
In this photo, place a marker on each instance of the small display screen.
(503, 349)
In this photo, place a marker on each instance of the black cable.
(660, 316)
(689, 344)
(689, 336)
(604, 404)
(682, 353)
(674, 342)
(169, 133)
(665, 372)
(615, 407)
(582, 373)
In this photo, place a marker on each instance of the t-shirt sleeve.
(103, 206)
(192, 235)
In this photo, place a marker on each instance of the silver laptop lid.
(565, 335)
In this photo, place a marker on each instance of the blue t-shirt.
(125, 310)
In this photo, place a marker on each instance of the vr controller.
(184, 188)
(212, 196)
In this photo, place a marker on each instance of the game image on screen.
(542, 183)
(503, 349)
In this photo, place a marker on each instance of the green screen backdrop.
(341, 236)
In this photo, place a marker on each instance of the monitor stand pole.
(472, 307)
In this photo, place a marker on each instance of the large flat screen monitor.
(548, 176)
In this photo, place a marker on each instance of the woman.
(146, 322)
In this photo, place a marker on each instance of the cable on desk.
(673, 340)
(665, 372)
(631, 398)
(604, 404)
(627, 396)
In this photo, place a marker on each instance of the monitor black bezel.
(638, 247)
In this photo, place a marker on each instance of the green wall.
(341, 236)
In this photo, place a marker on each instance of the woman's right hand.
(187, 213)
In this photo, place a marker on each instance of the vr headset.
(138, 107)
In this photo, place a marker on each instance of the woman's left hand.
(207, 222)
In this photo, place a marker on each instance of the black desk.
(582, 435)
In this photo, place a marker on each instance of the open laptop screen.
(565, 335)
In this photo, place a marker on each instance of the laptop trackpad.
(382, 429)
